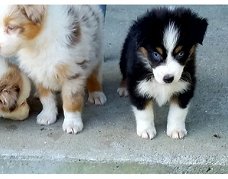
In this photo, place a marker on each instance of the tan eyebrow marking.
(178, 49)
(143, 51)
(159, 49)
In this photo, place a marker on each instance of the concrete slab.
(108, 143)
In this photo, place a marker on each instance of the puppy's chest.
(43, 72)
(161, 93)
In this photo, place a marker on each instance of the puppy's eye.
(156, 56)
(11, 27)
(180, 54)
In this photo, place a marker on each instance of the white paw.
(72, 125)
(122, 91)
(97, 98)
(146, 133)
(177, 133)
(46, 117)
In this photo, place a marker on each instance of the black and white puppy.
(158, 64)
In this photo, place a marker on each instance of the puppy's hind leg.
(122, 90)
(94, 86)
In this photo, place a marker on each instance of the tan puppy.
(14, 90)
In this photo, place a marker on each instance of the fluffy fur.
(14, 90)
(60, 48)
(158, 64)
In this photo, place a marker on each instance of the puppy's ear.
(35, 13)
(199, 29)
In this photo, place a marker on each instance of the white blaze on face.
(9, 42)
(171, 67)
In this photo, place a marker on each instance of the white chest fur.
(161, 92)
(40, 70)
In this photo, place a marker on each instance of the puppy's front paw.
(97, 97)
(146, 133)
(177, 133)
(46, 118)
(72, 125)
(122, 91)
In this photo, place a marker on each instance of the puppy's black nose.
(168, 78)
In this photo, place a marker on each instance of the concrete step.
(108, 143)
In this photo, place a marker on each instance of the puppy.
(60, 48)
(158, 65)
(14, 90)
